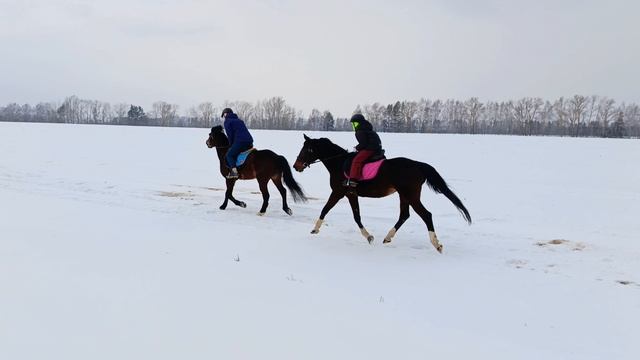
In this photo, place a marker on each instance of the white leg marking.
(390, 235)
(366, 235)
(434, 241)
(316, 229)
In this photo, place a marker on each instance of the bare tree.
(408, 111)
(473, 109)
(164, 112)
(276, 112)
(374, 114)
(207, 113)
(525, 112)
(246, 111)
(546, 117)
(46, 112)
(432, 113)
(577, 106)
(120, 111)
(605, 113)
(69, 111)
(315, 120)
(561, 113)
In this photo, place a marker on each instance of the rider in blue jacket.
(239, 139)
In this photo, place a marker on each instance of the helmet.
(226, 111)
(356, 119)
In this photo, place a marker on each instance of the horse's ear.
(306, 137)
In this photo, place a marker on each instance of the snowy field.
(112, 246)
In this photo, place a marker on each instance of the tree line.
(577, 116)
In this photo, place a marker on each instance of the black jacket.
(367, 138)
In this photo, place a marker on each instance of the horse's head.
(308, 154)
(217, 137)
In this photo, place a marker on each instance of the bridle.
(308, 164)
(218, 146)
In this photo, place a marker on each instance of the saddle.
(370, 168)
(242, 157)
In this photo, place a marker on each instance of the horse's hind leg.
(264, 189)
(426, 216)
(283, 192)
(404, 215)
(355, 208)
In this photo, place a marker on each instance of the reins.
(305, 164)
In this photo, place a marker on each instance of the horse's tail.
(289, 181)
(437, 184)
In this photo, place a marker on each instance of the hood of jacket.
(365, 126)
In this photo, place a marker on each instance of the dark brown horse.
(263, 165)
(400, 175)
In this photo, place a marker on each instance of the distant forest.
(577, 116)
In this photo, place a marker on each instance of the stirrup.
(232, 174)
(350, 183)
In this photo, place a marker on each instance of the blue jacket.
(236, 130)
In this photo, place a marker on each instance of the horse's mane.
(217, 130)
(330, 145)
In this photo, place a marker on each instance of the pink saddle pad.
(370, 170)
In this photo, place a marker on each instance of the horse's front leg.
(333, 200)
(228, 195)
(355, 208)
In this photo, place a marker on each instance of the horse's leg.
(426, 216)
(229, 195)
(264, 189)
(355, 208)
(333, 200)
(226, 194)
(404, 215)
(283, 192)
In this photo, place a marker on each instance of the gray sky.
(324, 53)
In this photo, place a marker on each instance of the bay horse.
(401, 175)
(263, 165)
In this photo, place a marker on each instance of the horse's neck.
(222, 152)
(334, 158)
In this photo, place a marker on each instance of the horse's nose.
(298, 166)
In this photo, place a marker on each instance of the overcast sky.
(323, 53)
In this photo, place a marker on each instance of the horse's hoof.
(439, 248)
(242, 205)
(386, 240)
(288, 211)
(261, 213)
(222, 207)
(370, 239)
(314, 231)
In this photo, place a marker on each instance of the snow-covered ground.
(112, 246)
